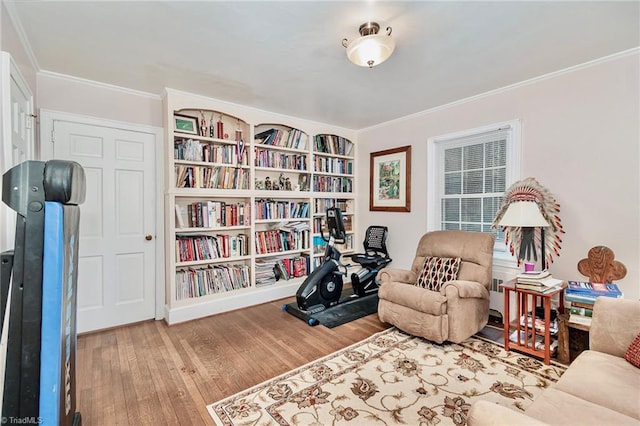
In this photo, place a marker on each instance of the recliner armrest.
(397, 275)
(464, 289)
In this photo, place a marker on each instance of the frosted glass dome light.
(371, 48)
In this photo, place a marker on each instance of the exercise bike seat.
(375, 254)
(370, 261)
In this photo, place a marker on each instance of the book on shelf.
(580, 298)
(585, 312)
(579, 319)
(179, 217)
(588, 298)
(594, 289)
(571, 304)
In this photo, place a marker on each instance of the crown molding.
(533, 80)
(100, 85)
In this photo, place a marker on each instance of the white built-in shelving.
(244, 196)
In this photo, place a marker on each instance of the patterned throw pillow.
(437, 271)
(633, 352)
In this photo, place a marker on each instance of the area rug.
(392, 378)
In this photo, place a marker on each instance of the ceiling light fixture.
(370, 48)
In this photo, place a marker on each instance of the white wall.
(73, 95)
(581, 138)
(10, 42)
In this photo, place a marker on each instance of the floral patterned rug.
(392, 378)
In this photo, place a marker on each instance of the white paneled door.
(117, 258)
(16, 134)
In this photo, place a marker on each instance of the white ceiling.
(287, 57)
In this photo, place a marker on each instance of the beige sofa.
(599, 388)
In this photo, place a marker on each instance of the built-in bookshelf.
(245, 200)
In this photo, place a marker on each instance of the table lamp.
(526, 216)
(527, 206)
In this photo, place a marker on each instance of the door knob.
(148, 237)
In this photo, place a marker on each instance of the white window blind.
(469, 174)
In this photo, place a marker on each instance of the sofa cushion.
(437, 271)
(632, 354)
(559, 408)
(605, 380)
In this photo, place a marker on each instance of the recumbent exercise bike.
(322, 289)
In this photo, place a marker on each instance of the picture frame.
(186, 124)
(390, 180)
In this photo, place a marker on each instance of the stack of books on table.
(581, 296)
(538, 281)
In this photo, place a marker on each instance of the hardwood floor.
(152, 374)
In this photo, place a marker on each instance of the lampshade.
(523, 214)
(371, 48)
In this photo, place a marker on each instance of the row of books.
(281, 209)
(283, 239)
(580, 313)
(332, 165)
(591, 291)
(192, 282)
(280, 160)
(332, 184)
(581, 296)
(213, 214)
(293, 138)
(192, 150)
(332, 144)
(347, 245)
(191, 248)
(322, 204)
(221, 177)
(319, 224)
(287, 268)
(320, 245)
(269, 270)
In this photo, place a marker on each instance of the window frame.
(435, 172)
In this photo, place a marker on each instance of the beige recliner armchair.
(455, 311)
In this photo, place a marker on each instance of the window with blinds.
(472, 171)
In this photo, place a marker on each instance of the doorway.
(120, 264)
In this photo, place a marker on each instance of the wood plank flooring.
(152, 374)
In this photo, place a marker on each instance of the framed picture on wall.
(390, 180)
(185, 124)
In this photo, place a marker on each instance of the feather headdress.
(524, 242)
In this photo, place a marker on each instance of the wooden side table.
(526, 303)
